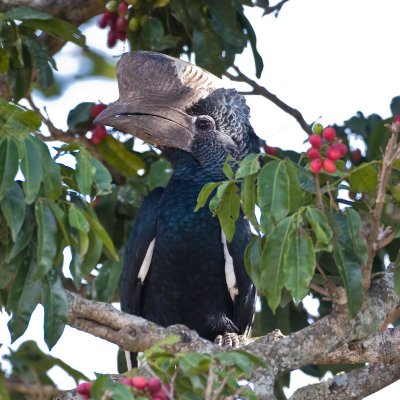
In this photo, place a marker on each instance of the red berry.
(329, 165)
(104, 19)
(154, 384)
(122, 36)
(396, 118)
(122, 8)
(125, 381)
(355, 156)
(160, 395)
(315, 165)
(84, 388)
(122, 24)
(341, 147)
(139, 382)
(315, 140)
(99, 132)
(333, 153)
(273, 151)
(312, 153)
(112, 38)
(97, 109)
(329, 133)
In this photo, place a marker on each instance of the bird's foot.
(229, 339)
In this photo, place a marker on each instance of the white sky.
(327, 58)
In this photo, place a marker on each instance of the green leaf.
(363, 178)
(250, 165)
(4, 60)
(85, 171)
(46, 237)
(77, 219)
(23, 297)
(159, 174)
(252, 260)
(20, 73)
(93, 254)
(228, 210)
(108, 280)
(8, 164)
(101, 233)
(320, 226)
(396, 273)
(58, 28)
(274, 262)
(258, 61)
(79, 117)
(115, 391)
(24, 13)
(13, 209)
(248, 199)
(205, 193)
(102, 178)
(41, 60)
(224, 21)
(301, 261)
(227, 169)
(115, 154)
(30, 156)
(51, 172)
(350, 254)
(55, 305)
(17, 122)
(274, 189)
(4, 395)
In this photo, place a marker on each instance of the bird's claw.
(229, 339)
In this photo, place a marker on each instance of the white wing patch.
(229, 269)
(144, 268)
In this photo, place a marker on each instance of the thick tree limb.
(313, 343)
(382, 348)
(33, 391)
(262, 91)
(354, 385)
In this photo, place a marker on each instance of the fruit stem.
(320, 203)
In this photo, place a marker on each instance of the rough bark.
(336, 338)
(354, 385)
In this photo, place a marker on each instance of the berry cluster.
(99, 131)
(325, 149)
(152, 388)
(116, 18)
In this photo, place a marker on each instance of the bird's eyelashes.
(204, 123)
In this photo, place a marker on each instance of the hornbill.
(179, 267)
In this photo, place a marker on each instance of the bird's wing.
(138, 252)
(245, 293)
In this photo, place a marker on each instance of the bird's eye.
(204, 123)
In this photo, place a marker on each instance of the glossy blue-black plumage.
(186, 282)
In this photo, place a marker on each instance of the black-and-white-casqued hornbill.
(179, 267)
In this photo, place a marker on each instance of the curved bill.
(154, 92)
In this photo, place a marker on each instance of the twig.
(318, 191)
(32, 390)
(262, 91)
(264, 4)
(392, 152)
(320, 290)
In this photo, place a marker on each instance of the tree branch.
(392, 152)
(270, 9)
(310, 345)
(34, 391)
(354, 385)
(76, 13)
(262, 91)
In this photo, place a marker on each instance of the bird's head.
(180, 107)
